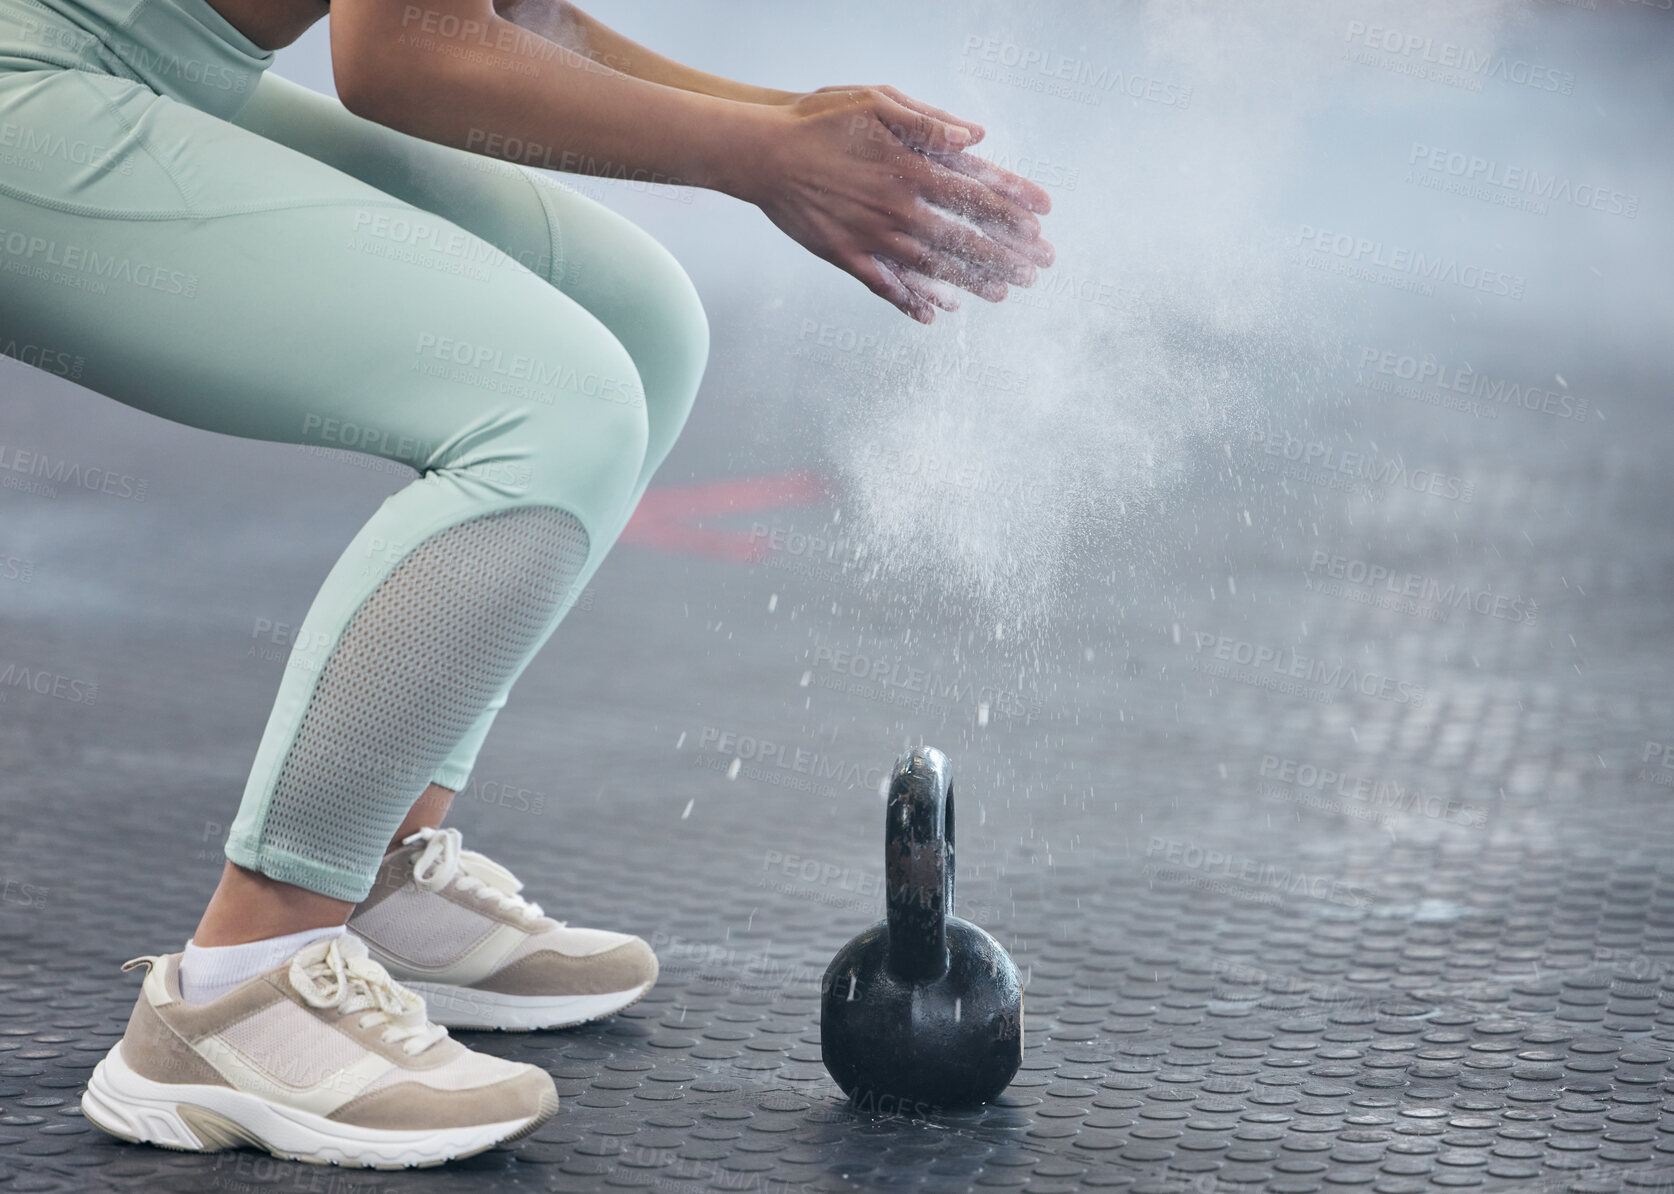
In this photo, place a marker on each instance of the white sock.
(209, 973)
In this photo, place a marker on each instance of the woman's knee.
(683, 340)
(589, 450)
(628, 280)
(680, 326)
(574, 435)
(668, 337)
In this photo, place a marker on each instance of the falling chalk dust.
(1169, 324)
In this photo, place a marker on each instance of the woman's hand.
(880, 185)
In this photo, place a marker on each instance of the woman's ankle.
(427, 813)
(249, 906)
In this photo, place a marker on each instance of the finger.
(931, 290)
(1020, 234)
(924, 308)
(974, 201)
(1037, 250)
(920, 130)
(895, 93)
(998, 179)
(1027, 246)
(945, 267)
(875, 273)
(937, 263)
(982, 255)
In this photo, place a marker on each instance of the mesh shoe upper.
(440, 913)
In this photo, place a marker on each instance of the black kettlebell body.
(923, 1009)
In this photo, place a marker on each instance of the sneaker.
(449, 924)
(323, 1059)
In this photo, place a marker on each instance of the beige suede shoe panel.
(194, 1021)
(629, 965)
(156, 1052)
(411, 1106)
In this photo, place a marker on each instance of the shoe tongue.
(314, 953)
(480, 866)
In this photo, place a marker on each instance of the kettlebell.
(923, 1009)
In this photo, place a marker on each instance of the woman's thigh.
(210, 276)
(602, 260)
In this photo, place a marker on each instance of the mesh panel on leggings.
(415, 666)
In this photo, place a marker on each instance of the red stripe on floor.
(668, 517)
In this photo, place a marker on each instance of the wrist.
(745, 162)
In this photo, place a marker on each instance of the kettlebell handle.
(918, 864)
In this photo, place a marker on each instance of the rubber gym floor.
(1270, 941)
(1329, 827)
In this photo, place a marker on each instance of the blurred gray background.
(1433, 239)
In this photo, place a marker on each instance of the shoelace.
(338, 973)
(443, 861)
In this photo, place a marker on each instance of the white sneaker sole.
(466, 1007)
(210, 1118)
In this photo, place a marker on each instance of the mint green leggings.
(226, 249)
